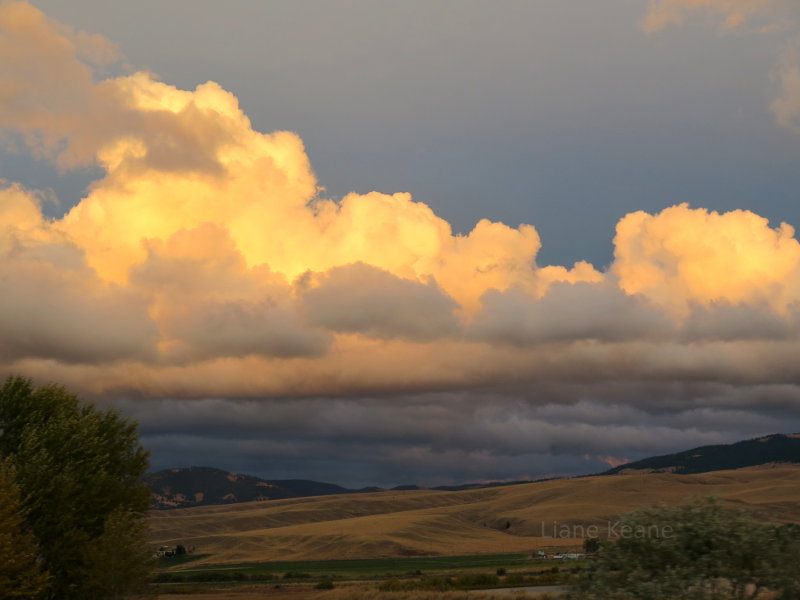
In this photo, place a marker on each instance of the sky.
(380, 243)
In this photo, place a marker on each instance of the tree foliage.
(591, 545)
(702, 550)
(119, 562)
(79, 471)
(20, 575)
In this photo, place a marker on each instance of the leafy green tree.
(20, 575)
(702, 550)
(76, 467)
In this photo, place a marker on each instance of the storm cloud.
(207, 286)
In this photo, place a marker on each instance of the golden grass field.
(425, 522)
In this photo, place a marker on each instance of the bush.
(700, 550)
(515, 579)
(501, 571)
(294, 575)
(211, 577)
(591, 545)
(477, 580)
(324, 585)
(439, 584)
(392, 585)
(548, 578)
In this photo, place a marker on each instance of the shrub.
(700, 550)
(295, 575)
(477, 580)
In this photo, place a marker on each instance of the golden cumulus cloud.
(683, 257)
(205, 261)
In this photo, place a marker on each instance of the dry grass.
(494, 520)
(249, 593)
(355, 593)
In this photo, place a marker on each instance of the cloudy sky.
(389, 242)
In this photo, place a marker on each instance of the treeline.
(225, 575)
(72, 508)
(213, 577)
(472, 581)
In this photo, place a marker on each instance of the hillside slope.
(518, 518)
(771, 449)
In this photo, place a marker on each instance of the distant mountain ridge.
(775, 448)
(202, 486)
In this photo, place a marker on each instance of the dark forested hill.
(776, 448)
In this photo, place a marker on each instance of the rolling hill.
(516, 518)
(770, 449)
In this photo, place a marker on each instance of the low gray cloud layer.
(459, 436)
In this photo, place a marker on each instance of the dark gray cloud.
(453, 437)
(240, 329)
(736, 322)
(568, 312)
(53, 306)
(359, 298)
